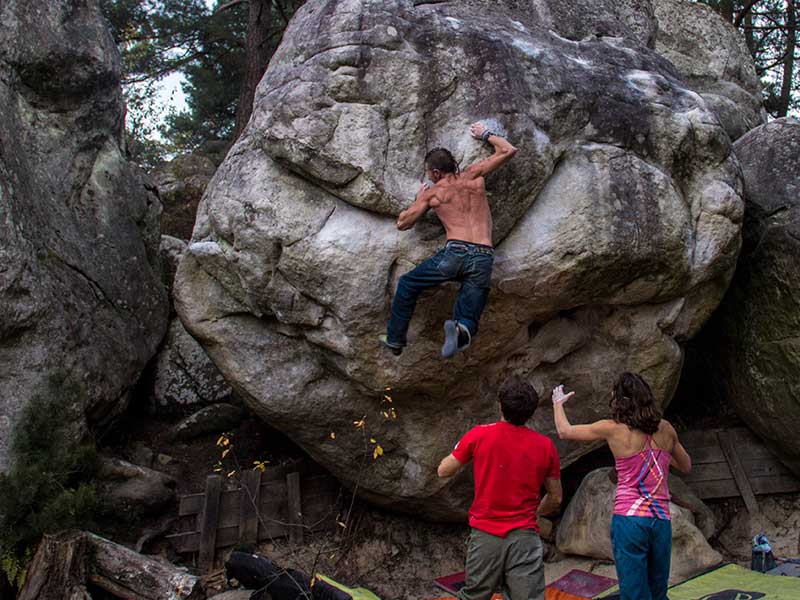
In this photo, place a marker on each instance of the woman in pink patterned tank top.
(644, 447)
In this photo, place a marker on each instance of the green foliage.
(771, 32)
(14, 567)
(49, 487)
(213, 80)
(158, 38)
(144, 146)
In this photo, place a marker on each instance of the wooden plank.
(208, 522)
(267, 529)
(721, 470)
(295, 503)
(781, 484)
(319, 494)
(728, 447)
(725, 488)
(708, 437)
(274, 480)
(712, 454)
(708, 472)
(698, 438)
(248, 506)
(191, 504)
(226, 537)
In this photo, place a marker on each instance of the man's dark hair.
(518, 400)
(633, 404)
(441, 160)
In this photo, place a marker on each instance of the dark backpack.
(289, 584)
(251, 570)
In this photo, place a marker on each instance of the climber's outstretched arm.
(503, 152)
(417, 210)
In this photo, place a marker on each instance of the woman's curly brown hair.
(633, 404)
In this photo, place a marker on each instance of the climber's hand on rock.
(559, 397)
(477, 129)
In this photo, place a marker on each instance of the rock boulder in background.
(171, 250)
(180, 183)
(184, 378)
(80, 287)
(617, 227)
(125, 486)
(713, 58)
(757, 346)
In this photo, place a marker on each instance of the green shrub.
(49, 487)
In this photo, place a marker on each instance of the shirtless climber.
(459, 199)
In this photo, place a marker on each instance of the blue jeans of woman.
(469, 263)
(642, 551)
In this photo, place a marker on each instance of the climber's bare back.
(461, 205)
(459, 199)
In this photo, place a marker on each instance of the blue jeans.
(642, 551)
(471, 264)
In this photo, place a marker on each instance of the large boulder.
(712, 56)
(184, 378)
(617, 227)
(180, 183)
(758, 347)
(125, 486)
(80, 288)
(585, 529)
(171, 250)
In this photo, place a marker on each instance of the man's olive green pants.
(512, 564)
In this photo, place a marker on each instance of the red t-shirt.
(511, 463)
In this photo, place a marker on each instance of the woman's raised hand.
(559, 397)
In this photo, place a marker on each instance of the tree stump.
(65, 563)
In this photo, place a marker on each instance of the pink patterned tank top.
(642, 483)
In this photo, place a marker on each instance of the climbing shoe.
(456, 338)
(396, 350)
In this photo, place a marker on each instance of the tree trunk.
(65, 563)
(788, 62)
(748, 34)
(60, 569)
(257, 55)
(726, 9)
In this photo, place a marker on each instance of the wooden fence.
(733, 462)
(282, 501)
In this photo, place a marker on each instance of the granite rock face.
(125, 486)
(713, 58)
(617, 227)
(180, 183)
(184, 377)
(758, 349)
(171, 250)
(80, 288)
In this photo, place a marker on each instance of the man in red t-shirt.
(511, 463)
